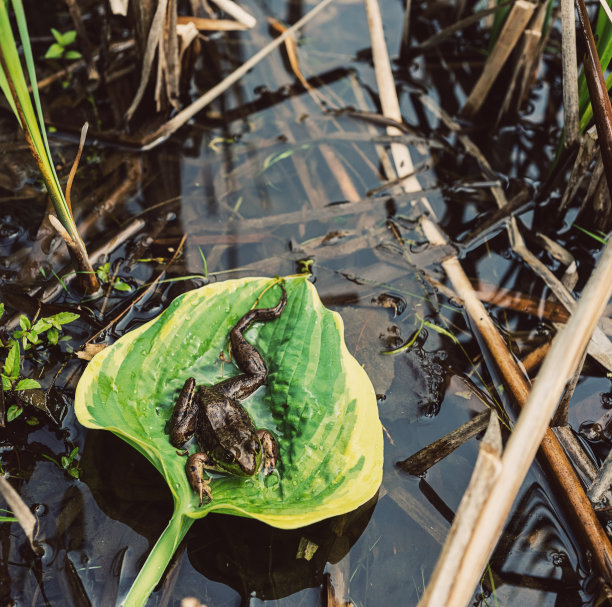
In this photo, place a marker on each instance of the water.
(252, 183)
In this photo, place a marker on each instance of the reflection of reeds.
(27, 109)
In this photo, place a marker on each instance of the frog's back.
(221, 420)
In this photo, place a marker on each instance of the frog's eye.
(229, 457)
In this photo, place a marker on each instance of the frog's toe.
(195, 469)
(271, 456)
(205, 490)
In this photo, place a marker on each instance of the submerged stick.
(424, 459)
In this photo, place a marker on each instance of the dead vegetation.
(148, 79)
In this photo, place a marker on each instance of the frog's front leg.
(184, 415)
(195, 466)
(271, 455)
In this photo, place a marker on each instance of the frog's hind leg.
(247, 357)
(194, 467)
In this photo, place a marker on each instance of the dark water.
(230, 181)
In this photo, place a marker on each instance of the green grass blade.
(31, 118)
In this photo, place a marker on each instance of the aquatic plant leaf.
(318, 402)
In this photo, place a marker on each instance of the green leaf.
(14, 411)
(6, 382)
(67, 38)
(18, 93)
(72, 55)
(318, 401)
(41, 325)
(1, 309)
(32, 338)
(55, 51)
(12, 364)
(52, 336)
(103, 272)
(24, 323)
(27, 384)
(57, 35)
(63, 318)
(119, 285)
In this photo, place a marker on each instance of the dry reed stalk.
(486, 471)
(527, 56)
(571, 128)
(516, 21)
(204, 24)
(533, 424)
(237, 12)
(598, 92)
(22, 513)
(405, 40)
(532, 429)
(161, 134)
(588, 149)
(389, 102)
(575, 452)
(602, 480)
(565, 353)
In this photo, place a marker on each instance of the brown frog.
(224, 430)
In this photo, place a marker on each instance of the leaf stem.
(158, 559)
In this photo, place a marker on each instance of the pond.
(271, 179)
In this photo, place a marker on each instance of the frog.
(225, 433)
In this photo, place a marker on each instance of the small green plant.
(104, 276)
(67, 463)
(59, 49)
(30, 338)
(16, 82)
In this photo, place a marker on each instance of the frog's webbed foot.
(271, 455)
(195, 467)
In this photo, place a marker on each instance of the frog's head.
(241, 458)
